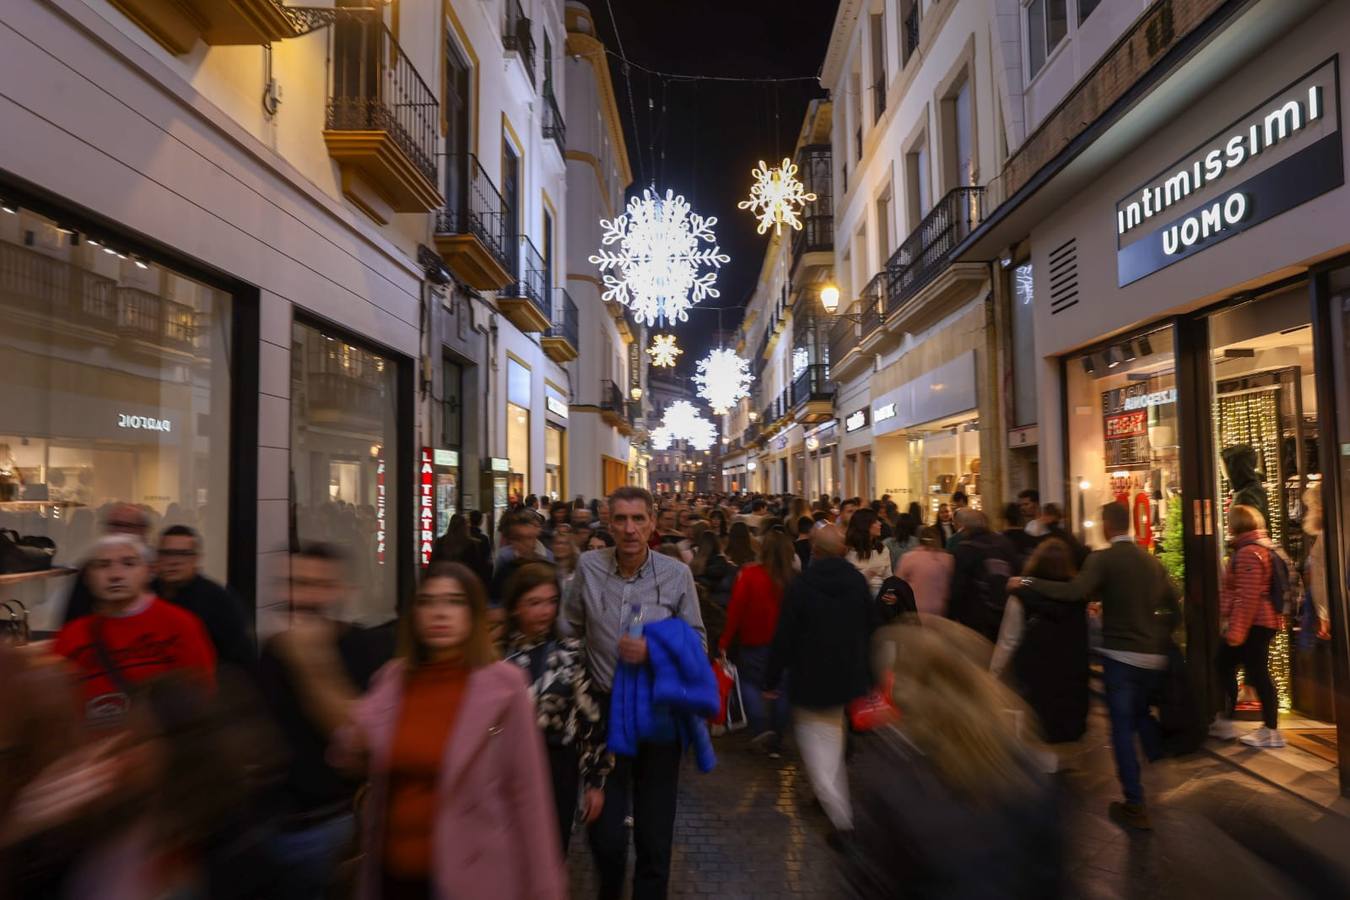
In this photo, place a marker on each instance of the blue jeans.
(752, 663)
(1127, 691)
(308, 858)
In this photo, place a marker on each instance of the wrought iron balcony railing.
(473, 206)
(373, 86)
(872, 304)
(39, 284)
(531, 276)
(927, 251)
(812, 384)
(844, 335)
(566, 324)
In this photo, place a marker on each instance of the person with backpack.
(1251, 601)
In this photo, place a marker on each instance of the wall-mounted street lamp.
(829, 301)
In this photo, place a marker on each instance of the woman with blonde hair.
(448, 738)
(949, 802)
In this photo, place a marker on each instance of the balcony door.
(458, 85)
(357, 37)
(511, 204)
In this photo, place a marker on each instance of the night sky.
(712, 133)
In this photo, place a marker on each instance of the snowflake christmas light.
(682, 422)
(777, 196)
(657, 269)
(663, 351)
(722, 379)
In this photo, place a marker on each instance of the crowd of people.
(553, 670)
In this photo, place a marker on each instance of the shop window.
(117, 389)
(1123, 442)
(518, 425)
(1266, 438)
(344, 450)
(553, 461)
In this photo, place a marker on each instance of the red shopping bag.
(731, 712)
(874, 709)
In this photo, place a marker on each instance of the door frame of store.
(1202, 539)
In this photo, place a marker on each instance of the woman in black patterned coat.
(568, 714)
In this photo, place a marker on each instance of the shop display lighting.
(1084, 485)
(1114, 357)
(1145, 348)
(1089, 365)
(1130, 355)
(6, 206)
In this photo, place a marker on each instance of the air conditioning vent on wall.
(1064, 276)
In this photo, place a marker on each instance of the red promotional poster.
(1127, 424)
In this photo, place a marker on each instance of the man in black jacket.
(822, 641)
(985, 560)
(180, 581)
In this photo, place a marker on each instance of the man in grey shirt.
(607, 583)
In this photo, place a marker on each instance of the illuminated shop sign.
(1290, 149)
(379, 510)
(883, 412)
(855, 421)
(426, 506)
(556, 406)
(448, 458)
(1157, 398)
(143, 423)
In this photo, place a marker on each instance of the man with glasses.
(180, 581)
(121, 518)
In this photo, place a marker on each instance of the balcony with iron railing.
(178, 25)
(518, 36)
(879, 97)
(910, 32)
(555, 129)
(382, 121)
(613, 406)
(341, 382)
(844, 336)
(561, 341)
(872, 305)
(54, 292)
(154, 320)
(812, 398)
(469, 230)
(927, 252)
(525, 301)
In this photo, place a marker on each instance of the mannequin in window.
(1239, 462)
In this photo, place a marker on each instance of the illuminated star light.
(682, 422)
(663, 351)
(657, 270)
(723, 378)
(776, 196)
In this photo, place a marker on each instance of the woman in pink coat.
(927, 569)
(460, 803)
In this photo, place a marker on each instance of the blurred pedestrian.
(460, 545)
(821, 642)
(949, 803)
(945, 523)
(1139, 610)
(565, 556)
(984, 560)
(752, 619)
(1015, 531)
(802, 545)
(120, 518)
(1042, 647)
(1249, 621)
(314, 801)
(599, 540)
(740, 546)
(712, 570)
(450, 742)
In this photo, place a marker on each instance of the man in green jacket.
(1139, 608)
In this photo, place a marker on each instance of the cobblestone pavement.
(750, 829)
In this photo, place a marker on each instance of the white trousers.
(820, 739)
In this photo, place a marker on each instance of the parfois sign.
(1281, 154)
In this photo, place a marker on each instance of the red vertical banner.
(379, 510)
(426, 507)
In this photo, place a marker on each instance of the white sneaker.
(1223, 729)
(1264, 738)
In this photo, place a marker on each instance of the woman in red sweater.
(1248, 622)
(752, 617)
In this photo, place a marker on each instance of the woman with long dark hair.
(740, 546)
(717, 520)
(752, 618)
(448, 737)
(865, 549)
(1042, 647)
(566, 708)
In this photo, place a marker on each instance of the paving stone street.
(750, 829)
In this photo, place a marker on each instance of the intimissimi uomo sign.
(1281, 154)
